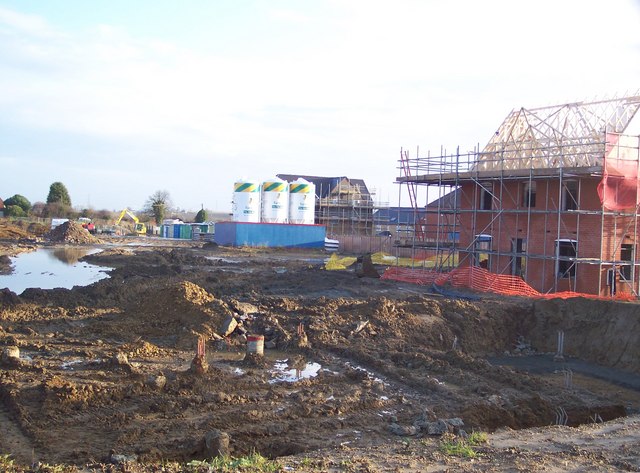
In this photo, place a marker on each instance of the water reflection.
(293, 370)
(71, 255)
(49, 268)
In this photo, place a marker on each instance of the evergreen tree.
(58, 194)
(201, 216)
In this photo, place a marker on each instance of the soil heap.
(178, 313)
(71, 232)
(9, 231)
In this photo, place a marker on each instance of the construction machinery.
(87, 224)
(139, 228)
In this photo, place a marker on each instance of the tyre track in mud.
(12, 439)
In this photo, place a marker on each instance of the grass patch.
(477, 438)
(253, 462)
(459, 447)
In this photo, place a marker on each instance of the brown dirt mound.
(188, 291)
(37, 229)
(8, 298)
(184, 310)
(8, 231)
(71, 232)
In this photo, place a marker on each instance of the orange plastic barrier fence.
(479, 279)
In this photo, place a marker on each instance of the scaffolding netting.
(618, 189)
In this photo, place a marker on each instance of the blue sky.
(119, 99)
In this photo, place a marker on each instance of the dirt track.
(390, 359)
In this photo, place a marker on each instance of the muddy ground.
(358, 374)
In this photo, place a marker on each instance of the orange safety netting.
(619, 187)
(479, 279)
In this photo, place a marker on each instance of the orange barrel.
(255, 344)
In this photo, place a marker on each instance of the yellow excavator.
(139, 228)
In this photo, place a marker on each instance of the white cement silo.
(246, 201)
(275, 201)
(302, 202)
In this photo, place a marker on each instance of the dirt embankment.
(107, 369)
(18, 230)
(607, 333)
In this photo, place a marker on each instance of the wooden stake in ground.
(199, 363)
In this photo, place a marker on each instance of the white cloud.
(30, 24)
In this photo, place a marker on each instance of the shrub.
(14, 211)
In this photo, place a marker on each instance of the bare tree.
(157, 205)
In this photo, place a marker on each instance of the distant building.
(343, 205)
(397, 222)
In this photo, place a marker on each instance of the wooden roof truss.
(569, 135)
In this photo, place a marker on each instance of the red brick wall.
(541, 230)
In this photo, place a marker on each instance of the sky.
(119, 99)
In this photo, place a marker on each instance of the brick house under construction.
(345, 206)
(552, 198)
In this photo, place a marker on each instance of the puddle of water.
(69, 365)
(219, 259)
(282, 374)
(48, 268)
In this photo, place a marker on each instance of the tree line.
(58, 204)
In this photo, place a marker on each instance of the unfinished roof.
(325, 185)
(571, 135)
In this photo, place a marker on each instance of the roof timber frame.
(569, 135)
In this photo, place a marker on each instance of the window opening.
(570, 195)
(486, 197)
(567, 252)
(518, 263)
(482, 249)
(627, 251)
(529, 194)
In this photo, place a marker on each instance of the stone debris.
(228, 326)
(243, 308)
(522, 347)
(402, 430)
(428, 424)
(118, 459)
(156, 381)
(216, 444)
(120, 361)
(360, 326)
(11, 355)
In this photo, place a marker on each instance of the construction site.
(500, 330)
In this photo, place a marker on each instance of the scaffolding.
(345, 209)
(535, 202)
